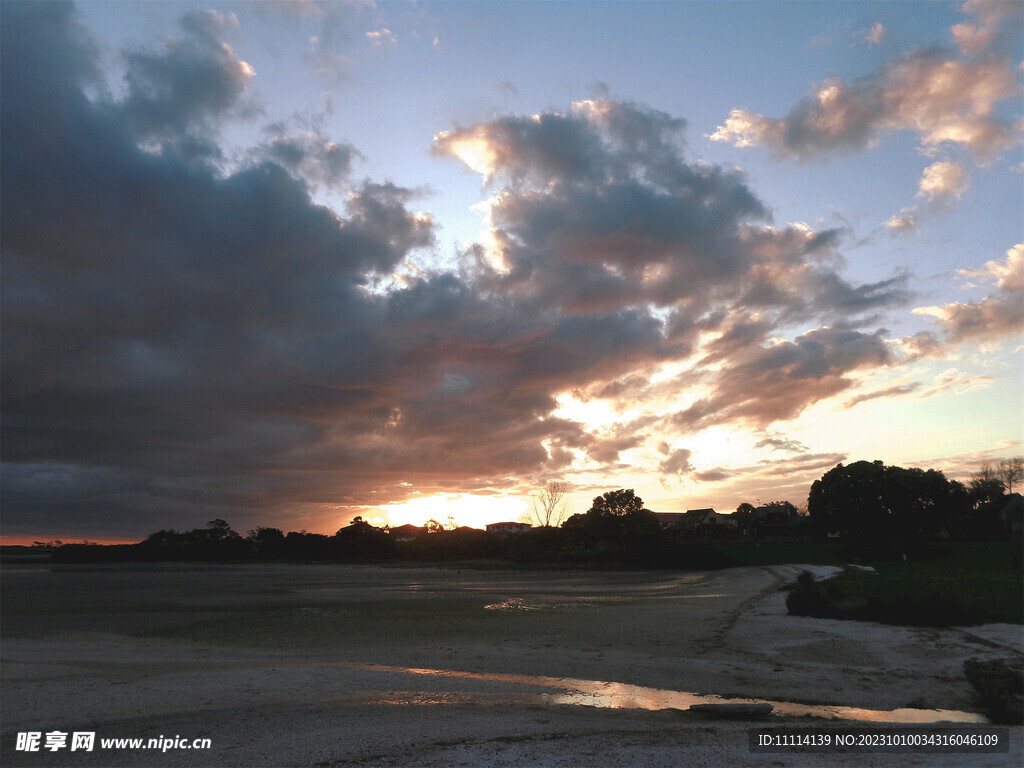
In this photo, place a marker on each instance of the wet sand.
(325, 665)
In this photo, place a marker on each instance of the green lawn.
(952, 583)
(811, 553)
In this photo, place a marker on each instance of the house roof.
(670, 517)
(407, 531)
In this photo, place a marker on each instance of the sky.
(286, 263)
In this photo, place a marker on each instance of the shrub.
(809, 598)
(999, 689)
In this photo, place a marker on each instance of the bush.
(999, 688)
(810, 599)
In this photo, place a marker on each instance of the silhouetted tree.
(219, 530)
(986, 487)
(360, 540)
(744, 516)
(302, 545)
(870, 503)
(266, 542)
(848, 500)
(987, 493)
(549, 507)
(614, 504)
(922, 502)
(615, 518)
(1011, 471)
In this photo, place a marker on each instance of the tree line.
(870, 505)
(864, 506)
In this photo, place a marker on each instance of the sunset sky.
(284, 263)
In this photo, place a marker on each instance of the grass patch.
(817, 553)
(958, 584)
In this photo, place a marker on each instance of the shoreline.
(272, 663)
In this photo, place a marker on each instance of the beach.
(336, 665)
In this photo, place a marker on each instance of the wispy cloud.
(382, 38)
(781, 443)
(932, 92)
(894, 391)
(999, 315)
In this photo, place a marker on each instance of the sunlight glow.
(475, 151)
(463, 508)
(593, 413)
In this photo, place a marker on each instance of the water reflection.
(597, 693)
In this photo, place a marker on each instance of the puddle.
(514, 604)
(596, 693)
(520, 604)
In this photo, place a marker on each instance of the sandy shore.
(320, 665)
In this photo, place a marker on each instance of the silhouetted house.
(1012, 516)
(407, 532)
(774, 513)
(506, 529)
(775, 523)
(670, 519)
(707, 522)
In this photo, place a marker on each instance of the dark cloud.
(310, 155)
(181, 335)
(599, 211)
(793, 278)
(606, 450)
(776, 383)
(741, 334)
(677, 461)
(181, 342)
(179, 93)
(178, 341)
(835, 295)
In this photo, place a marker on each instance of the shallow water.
(597, 693)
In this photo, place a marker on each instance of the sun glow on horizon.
(464, 509)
